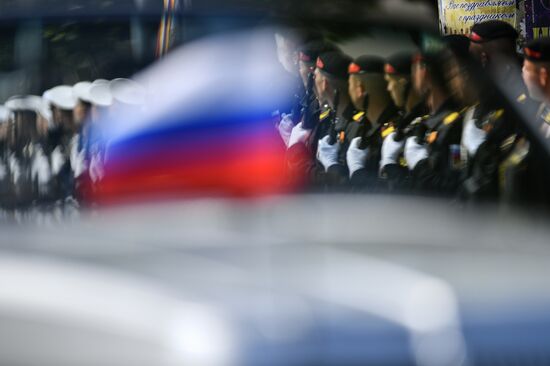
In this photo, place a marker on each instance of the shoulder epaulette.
(324, 114)
(450, 118)
(521, 99)
(386, 131)
(496, 114)
(357, 117)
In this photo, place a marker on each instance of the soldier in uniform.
(412, 106)
(82, 116)
(5, 117)
(432, 153)
(525, 173)
(66, 159)
(331, 88)
(376, 114)
(308, 108)
(28, 166)
(83, 107)
(493, 46)
(397, 72)
(288, 43)
(490, 132)
(100, 99)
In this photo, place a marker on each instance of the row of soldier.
(48, 147)
(428, 123)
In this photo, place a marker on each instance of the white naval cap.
(81, 90)
(100, 93)
(47, 96)
(46, 110)
(19, 103)
(5, 114)
(127, 91)
(62, 97)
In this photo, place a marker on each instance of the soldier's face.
(25, 127)
(64, 119)
(356, 92)
(305, 68)
(42, 125)
(80, 113)
(320, 86)
(4, 131)
(532, 78)
(396, 87)
(476, 49)
(286, 53)
(419, 78)
(456, 77)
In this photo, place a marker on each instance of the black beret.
(399, 64)
(311, 50)
(492, 29)
(538, 50)
(367, 64)
(334, 63)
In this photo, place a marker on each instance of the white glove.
(57, 159)
(76, 157)
(355, 156)
(391, 150)
(285, 128)
(15, 169)
(95, 170)
(40, 170)
(327, 154)
(472, 137)
(414, 152)
(298, 135)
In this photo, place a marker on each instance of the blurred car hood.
(311, 279)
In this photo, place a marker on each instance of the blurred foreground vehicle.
(294, 281)
(277, 279)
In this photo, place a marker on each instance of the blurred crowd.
(50, 152)
(464, 118)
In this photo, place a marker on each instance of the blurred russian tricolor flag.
(206, 126)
